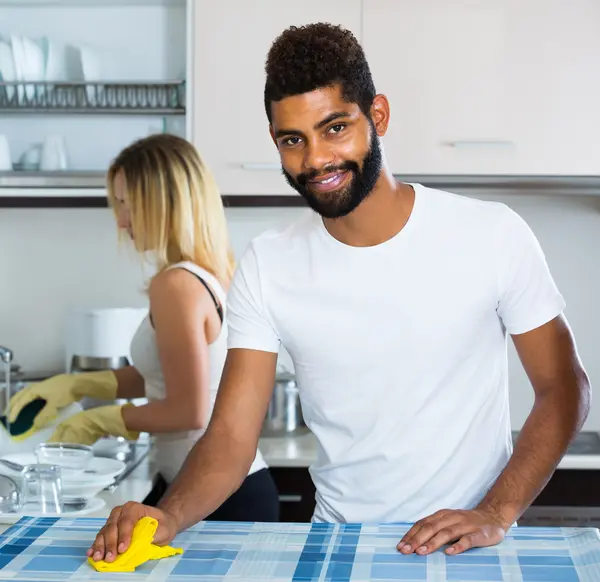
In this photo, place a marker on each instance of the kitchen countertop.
(283, 552)
(292, 451)
(295, 451)
(279, 452)
(133, 488)
(301, 451)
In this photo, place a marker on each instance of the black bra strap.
(218, 306)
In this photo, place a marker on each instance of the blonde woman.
(165, 198)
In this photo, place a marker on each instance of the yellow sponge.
(139, 551)
(22, 427)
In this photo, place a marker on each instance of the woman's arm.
(130, 383)
(180, 308)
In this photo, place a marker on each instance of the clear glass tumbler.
(42, 489)
(10, 495)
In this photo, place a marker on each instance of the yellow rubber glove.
(139, 551)
(61, 391)
(86, 427)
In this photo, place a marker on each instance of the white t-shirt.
(399, 349)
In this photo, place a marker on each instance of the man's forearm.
(551, 426)
(214, 470)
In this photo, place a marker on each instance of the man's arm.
(215, 467)
(562, 400)
(220, 461)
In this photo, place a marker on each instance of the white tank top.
(172, 448)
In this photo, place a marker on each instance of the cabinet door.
(229, 44)
(296, 493)
(442, 64)
(554, 55)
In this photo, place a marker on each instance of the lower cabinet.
(570, 499)
(296, 493)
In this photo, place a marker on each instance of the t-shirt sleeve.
(247, 321)
(528, 295)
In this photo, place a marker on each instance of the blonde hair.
(174, 204)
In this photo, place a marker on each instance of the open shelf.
(106, 97)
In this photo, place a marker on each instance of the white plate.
(102, 467)
(18, 52)
(34, 64)
(7, 67)
(93, 505)
(87, 489)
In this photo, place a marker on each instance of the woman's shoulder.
(201, 273)
(175, 286)
(180, 285)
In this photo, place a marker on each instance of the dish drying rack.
(118, 97)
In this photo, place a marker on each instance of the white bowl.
(85, 489)
(72, 459)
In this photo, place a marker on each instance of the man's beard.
(339, 203)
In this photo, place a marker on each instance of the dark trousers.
(256, 500)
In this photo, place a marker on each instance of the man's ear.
(272, 134)
(380, 114)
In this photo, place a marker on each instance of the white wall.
(55, 259)
(569, 231)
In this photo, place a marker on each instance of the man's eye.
(290, 141)
(337, 128)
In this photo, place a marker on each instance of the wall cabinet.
(443, 67)
(230, 42)
(488, 87)
(91, 76)
(553, 48)
(476, 87)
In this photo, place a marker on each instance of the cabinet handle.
(476, 143)
(258, 166)
(290, 498)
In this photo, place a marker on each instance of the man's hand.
(114, 538)
(462, 529)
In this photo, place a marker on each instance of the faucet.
(6, 355)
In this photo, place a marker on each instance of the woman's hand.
(86, 427)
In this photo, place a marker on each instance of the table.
(52, 549)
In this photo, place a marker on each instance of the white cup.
(5, 159)
(54, 154)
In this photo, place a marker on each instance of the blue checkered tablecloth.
(49, 549)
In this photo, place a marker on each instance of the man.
(394, 301)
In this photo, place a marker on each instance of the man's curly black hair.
(314, 56)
